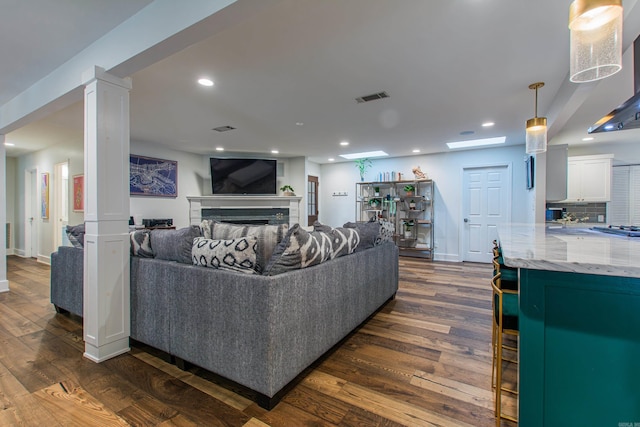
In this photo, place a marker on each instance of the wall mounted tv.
(243, 176)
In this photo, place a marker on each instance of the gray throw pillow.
(75, 233)
(269, 236)
(234, 254)
(141, 243)
(368, 231)
(174, 245)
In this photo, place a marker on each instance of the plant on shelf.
(408, 227)
(409, 189)
(374, 203)
(287, 190)
(376, 191)
(363, 165)
(412, 204)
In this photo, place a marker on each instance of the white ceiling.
(448, 66)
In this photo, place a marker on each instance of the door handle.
(466, 220)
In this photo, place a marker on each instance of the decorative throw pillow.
(234, 254)
(268, 237)
(75, 233)
(205, 228)
(141, 243)
(174, 245)
(344, 241)
(368, 231)
(301, 249)
(387, 230)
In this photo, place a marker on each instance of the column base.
(106, 351)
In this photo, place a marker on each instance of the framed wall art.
(44, 196)
(78, 193)
(152, 177)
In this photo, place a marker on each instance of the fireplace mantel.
(197, 203)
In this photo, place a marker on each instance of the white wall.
(446, 171)
(624, 153)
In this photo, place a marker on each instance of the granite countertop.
(574, 248)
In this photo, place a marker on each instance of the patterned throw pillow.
(174, 245)
(387, 230)
(234, 254)
(75, 233)
(301, 249)
(205, 228)
(141, 243)
(369, 233)
(268, 237)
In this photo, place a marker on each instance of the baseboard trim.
(19, 252)
(44, 259)
(4, 286)
(447, 257)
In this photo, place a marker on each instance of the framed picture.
(152, 177)
(78, 193)
(44, 196)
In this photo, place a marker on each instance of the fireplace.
(245, 209)
(248, 215)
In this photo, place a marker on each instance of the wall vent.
(223, 128)
(372, 97)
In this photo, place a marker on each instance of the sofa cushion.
(174, 245)
(301, 249)
(368, 231)
(387, 230)
(233, 254)
(268, 237)
(141, 243)
(75, 233)
(205, 228)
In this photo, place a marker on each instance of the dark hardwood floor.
(423, 360)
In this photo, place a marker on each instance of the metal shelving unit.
(410, 211)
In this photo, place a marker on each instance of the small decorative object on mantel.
(287, 190)
(363, 165)
(418, 173)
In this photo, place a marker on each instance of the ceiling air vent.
(372, 97)
(223, 128)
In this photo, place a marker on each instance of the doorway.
(31, 206)
(486, 203)
(60, 201)
(312, 199)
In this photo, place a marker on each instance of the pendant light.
(536, 137)
(596, 39)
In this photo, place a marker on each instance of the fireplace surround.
(245, 209)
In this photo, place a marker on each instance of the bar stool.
(509, 274)
(505, 321)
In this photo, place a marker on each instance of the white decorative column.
(4, 283)
(106, 215)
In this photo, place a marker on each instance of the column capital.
(98, 73)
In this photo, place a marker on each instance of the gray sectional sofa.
(260, 331)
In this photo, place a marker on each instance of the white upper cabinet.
(589, 178)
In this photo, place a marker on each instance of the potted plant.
(374, 203)
(408, 228)
(287, 190)
(409, 189)
(376, 191)
(363, 165)
(412, 204)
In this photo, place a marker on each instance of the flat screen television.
(243, 176)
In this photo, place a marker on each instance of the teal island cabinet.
(579, 345)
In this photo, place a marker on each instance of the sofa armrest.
(67, 270)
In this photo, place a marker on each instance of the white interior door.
(31, 206)
(60, 201)
(486, 204)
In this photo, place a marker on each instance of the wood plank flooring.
(423, 360)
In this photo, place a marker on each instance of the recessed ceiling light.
(477, 142)
(205, 82)
(487, 124)
(589, 138)
(364, 155)
(344, 143)
(219, 148)
(274, 151)
(9, 144)
(299, 123)
(331, 159)
(416, 151)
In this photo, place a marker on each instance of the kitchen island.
(579, 349)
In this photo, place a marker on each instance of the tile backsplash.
(592, 210)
